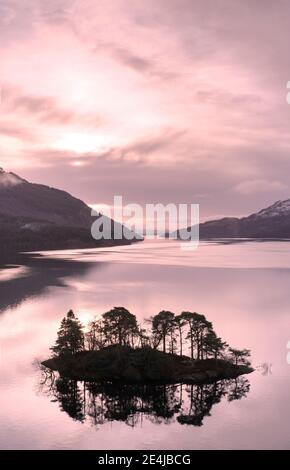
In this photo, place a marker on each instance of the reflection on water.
(99, 403)
(33, 274)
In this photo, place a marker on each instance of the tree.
(198, 328)
(70, 336)
(180, 322)
(95, 337)
(173, 339)
(240, 356)
(189, 319)
(213, 345)
(120, 326)
(143, 337)
(162, 326)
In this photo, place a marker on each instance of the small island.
(116, 349)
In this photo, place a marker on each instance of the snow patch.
(277, 209)
(9, 179)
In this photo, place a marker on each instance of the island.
(116, 349)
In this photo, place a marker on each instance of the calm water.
(243, 288)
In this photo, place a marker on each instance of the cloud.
(260, 186)
(145, 149)
(150, 67)
(136, 62)
(43, 108)
(190, 96)
(14, 131)
(221, 97)
(140, 152)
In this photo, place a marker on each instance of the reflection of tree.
(201, 400)
(71, 398)
(203, 397)
(103, 402)
(238, 389)
(265, 368)
(128, 403)
(68, 393)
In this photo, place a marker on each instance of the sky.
(164, 101)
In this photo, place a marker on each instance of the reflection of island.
(101, 403)
(37, 274)
(123, 376)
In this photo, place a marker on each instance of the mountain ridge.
(270, 222)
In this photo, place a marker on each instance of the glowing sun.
(82, 143)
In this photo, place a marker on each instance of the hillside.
(38, 217)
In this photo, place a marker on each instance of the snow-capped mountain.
(271, 222)
(280, 208)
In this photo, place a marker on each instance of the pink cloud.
(196, 86)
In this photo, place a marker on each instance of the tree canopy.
(120, 326)
(162, 326)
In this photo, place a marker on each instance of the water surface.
(243, 288)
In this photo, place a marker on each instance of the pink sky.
(159, 101)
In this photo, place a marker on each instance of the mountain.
(272, 222)
(38, 217)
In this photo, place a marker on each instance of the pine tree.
(95, 337)
(70, 336)
(180, 322)
(240, 357)
(162, 326)
(120, 326)
(213, 345)
(198, 328)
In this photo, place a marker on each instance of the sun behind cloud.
(79, 142)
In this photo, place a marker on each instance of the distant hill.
(38, 217)
(272, 222)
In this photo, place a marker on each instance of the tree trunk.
(180, 339)
(191, 345)
(198, 346)
(201, 346)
